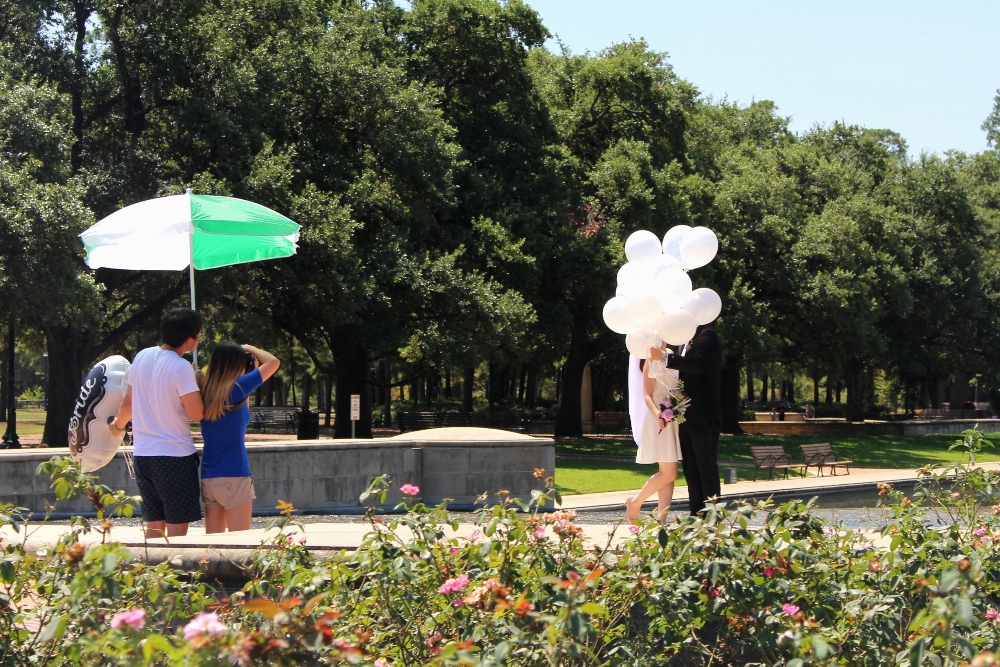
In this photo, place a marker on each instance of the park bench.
(505, 421)
(417, 421)
(771, 458)
(822, 454)
(263, 417)
(612, 422)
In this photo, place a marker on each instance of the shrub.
(750, 584)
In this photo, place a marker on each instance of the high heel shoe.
(632, 516)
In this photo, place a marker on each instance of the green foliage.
(465, 194)
(746, 584)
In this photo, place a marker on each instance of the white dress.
(656, 446)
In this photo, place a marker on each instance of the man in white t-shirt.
(162, 401)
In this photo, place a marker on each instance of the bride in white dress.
(659, 442)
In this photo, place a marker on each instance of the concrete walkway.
(221, 553)
(860, 482)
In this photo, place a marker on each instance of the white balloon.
(673, 287)
(642, 245)
(703, 304)
(635, 272)
(639, 342)
(662, 262)
(672, 241)
(642, 309)
(676, 326)
(698, 247)
(614, 316)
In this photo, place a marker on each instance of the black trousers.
(700, 449)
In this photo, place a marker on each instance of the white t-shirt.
(160, 425)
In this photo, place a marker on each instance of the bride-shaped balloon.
(651, 385)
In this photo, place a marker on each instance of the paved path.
(860, 480)
(329, 537)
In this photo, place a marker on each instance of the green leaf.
(7, 572)
(662, 538)
(820, 647)
(109, 563)
(917, 651)
(593, 609)
(55, 628)
(154, 643)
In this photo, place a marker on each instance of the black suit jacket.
(701, 372)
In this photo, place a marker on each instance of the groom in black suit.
(700, 366)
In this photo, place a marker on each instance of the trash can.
(307, 424)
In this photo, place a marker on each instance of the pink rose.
(205, 623)
(634, 529)
(789, 609)
(979, 532)
(474, 535)
(381, 662)
(991, 614)
(134, 618)
(540, 533)
(768, 572)
(409, 490)
(454, 585)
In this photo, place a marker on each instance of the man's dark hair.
(178, 325)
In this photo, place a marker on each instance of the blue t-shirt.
(225, 451)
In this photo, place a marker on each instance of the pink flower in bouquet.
(205, 623)
(454, 585)
(409, 490)
(134, 618)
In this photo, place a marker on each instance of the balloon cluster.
(654, 302)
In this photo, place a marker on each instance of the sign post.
(355, 411)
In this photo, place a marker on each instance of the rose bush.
(749, 584)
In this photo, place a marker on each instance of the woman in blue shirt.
(226, 485)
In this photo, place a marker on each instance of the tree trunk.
(491, 381)
(351, 368)
(763, 390)
(569, 420)
(750, 392)
(829, 391)
(387, 394)
(468, 380)
(730, 391)
(532, 384)
(66, 368)
(329, 399)
(854, 374)
(840, 388)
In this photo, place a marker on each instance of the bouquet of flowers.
(672, 408)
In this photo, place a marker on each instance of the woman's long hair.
(228, 362)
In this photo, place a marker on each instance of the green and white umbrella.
(189, 231)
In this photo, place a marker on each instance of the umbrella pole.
(194, 353)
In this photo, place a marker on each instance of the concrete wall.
(328, 476)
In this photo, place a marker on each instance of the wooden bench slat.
(767, 457)
(822, 454)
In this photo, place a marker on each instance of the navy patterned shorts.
(170, 488)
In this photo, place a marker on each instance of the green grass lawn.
(575, 476)
(594, 476)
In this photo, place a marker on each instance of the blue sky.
(928, 70)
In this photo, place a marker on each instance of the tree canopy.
(464, 193)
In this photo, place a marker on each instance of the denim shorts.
(170, 488)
